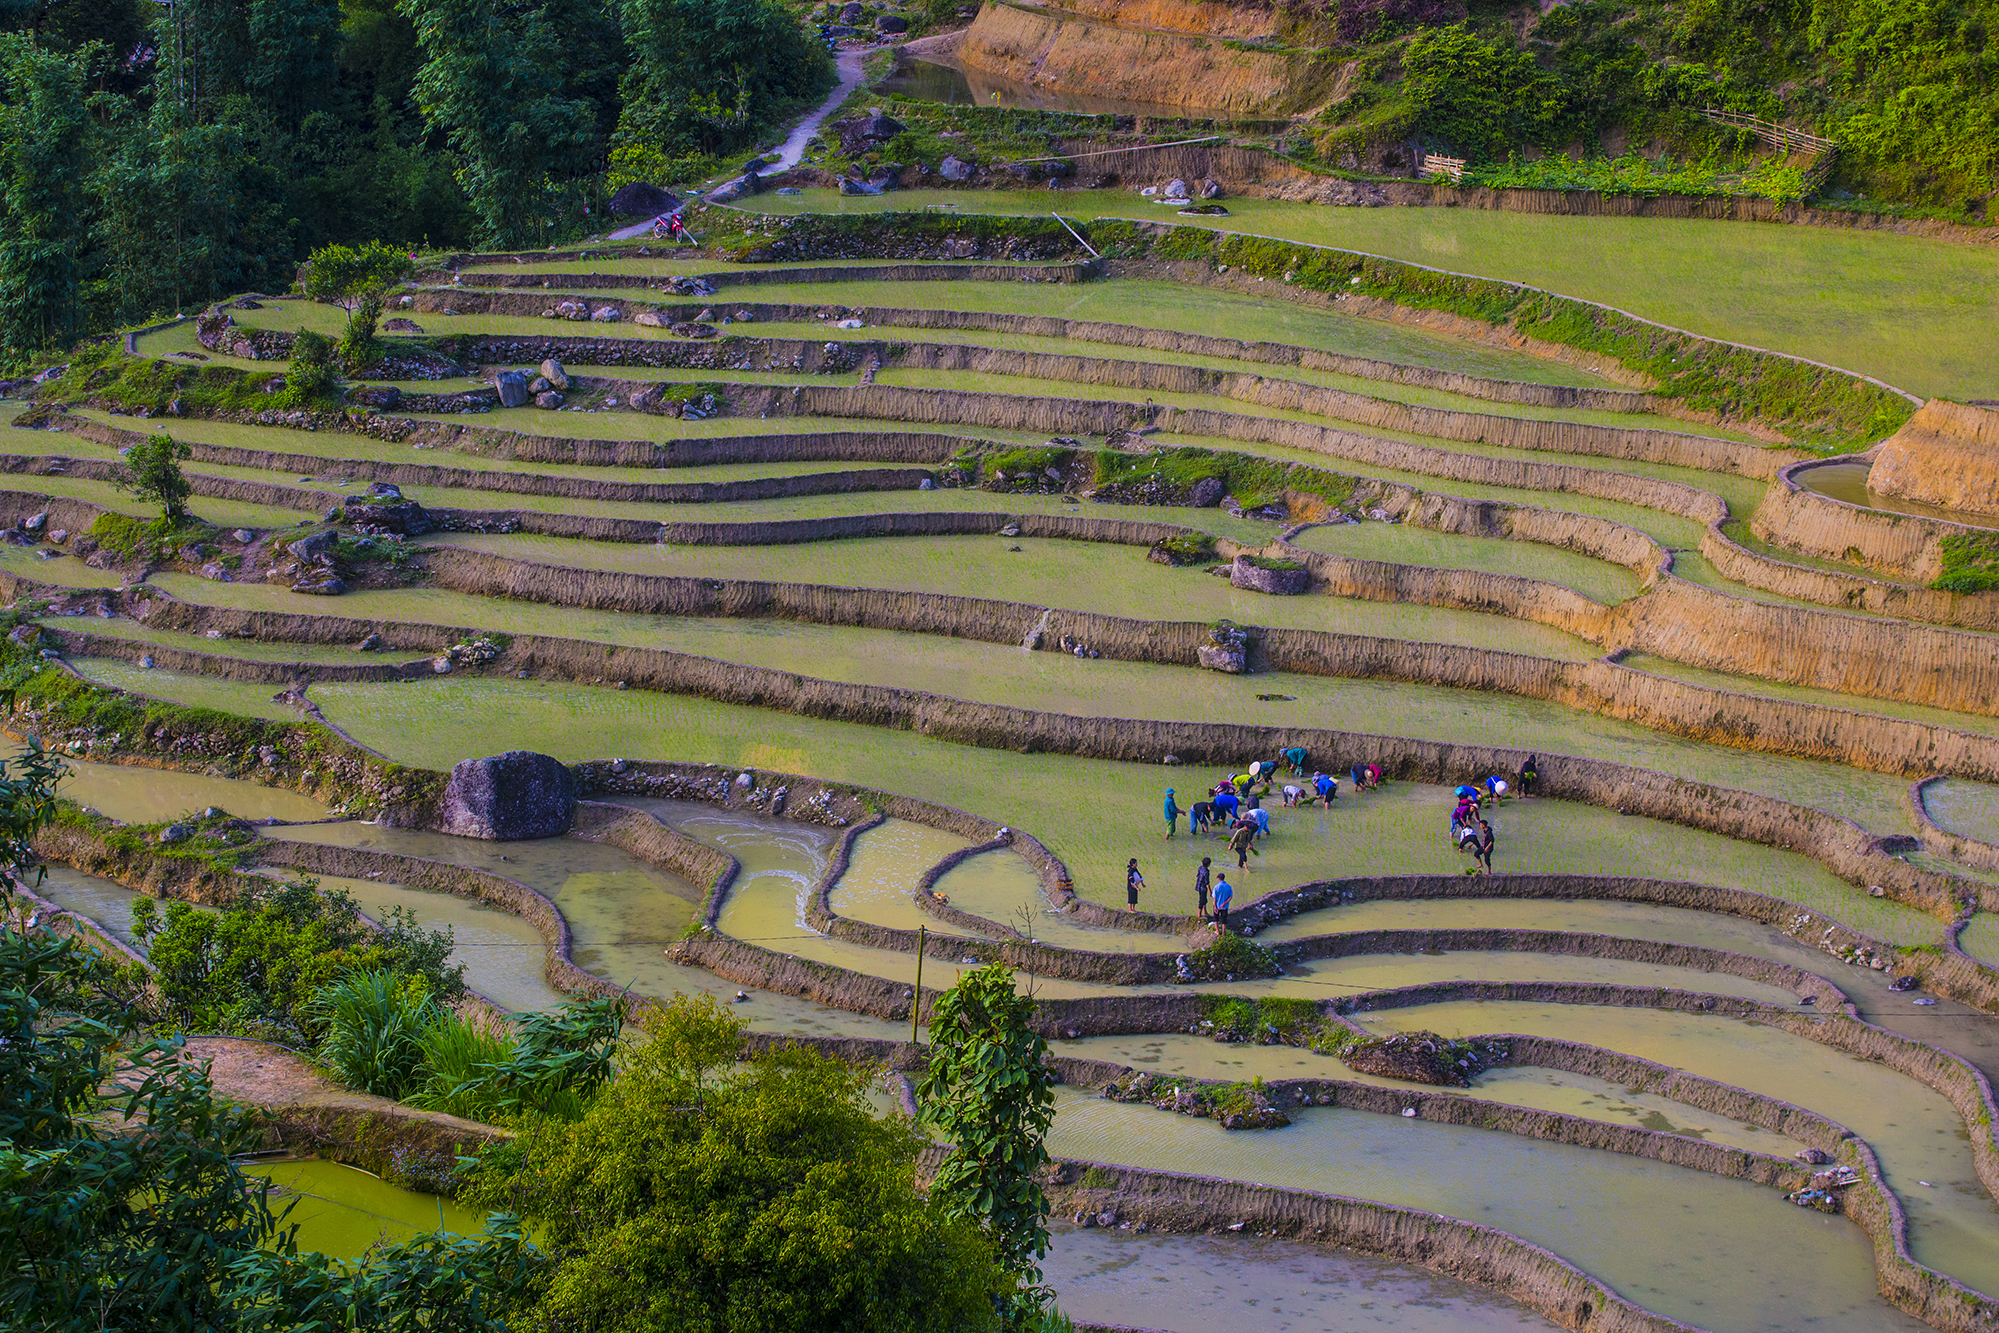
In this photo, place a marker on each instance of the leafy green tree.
(493, 81)
(44, 135)
(154, 474)
(990, 1092)
(769, 1199)
(257, 966)
(707, 76)
(356, 276)
(342, 272)
(1481, 97)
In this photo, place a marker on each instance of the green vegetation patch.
(1232, 958)
(1970, 563)
(132, 539)
(1169, 476)
(101, 373)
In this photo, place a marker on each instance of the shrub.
(258, 965)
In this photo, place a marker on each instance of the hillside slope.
(1909, 88)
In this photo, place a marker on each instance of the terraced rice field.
(933, 596)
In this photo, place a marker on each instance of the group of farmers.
(1233, 809)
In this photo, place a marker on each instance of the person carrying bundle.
(1296, 756)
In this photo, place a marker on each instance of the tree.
(768, 1199)
(991, 1093)
(1481, 97)
(356, 276)
(707, 75)
(44, 130)
(493, 81)
(154, 474)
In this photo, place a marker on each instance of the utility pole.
(916, 1000)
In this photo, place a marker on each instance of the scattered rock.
(244, 535)
(174, 833)
(1418, 1057)
(317, 547)
(371, 644)
(216, 573)
(690, 329)
(955, 169)
(549, 400)
(34, 522)
(609, 314)
(552, 371)
(889, 23)
(59, 535)
(1207, 493)
(406, 518)
(519, 794)
(400, 325)
(376, 395)
(864, 133)
(650, 319)
(1176, 189)
(1812, 1156)
(850, 186)
(326, 587)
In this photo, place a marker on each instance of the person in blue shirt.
(1172, 813)
(1224, 895)
(1328, 789)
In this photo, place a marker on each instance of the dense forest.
(153, 155)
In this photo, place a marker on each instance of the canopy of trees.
(153, 157)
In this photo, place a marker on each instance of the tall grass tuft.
(375, 1026)
(459, 1056)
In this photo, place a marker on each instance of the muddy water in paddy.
(1222, 1284)
(1970, 809)
(1922, 1142)
(1848, 482)
(1000, 886)
(131, 794)
(107, 904)
(1721, 1254)
(880, 882)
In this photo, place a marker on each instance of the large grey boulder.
(1253, 577)
(955, 169)
(519, 794)
(513, 388)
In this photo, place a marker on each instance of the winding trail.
(848, 63)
